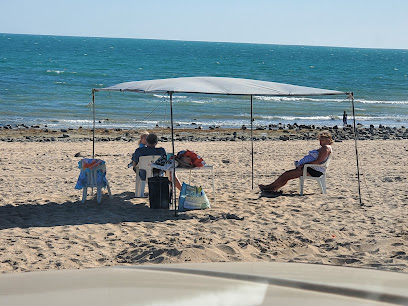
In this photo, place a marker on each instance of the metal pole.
(93, 129)
(252, 143)
(173, 175)
(355, 141)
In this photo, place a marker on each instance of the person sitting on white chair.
(317, 157)
(149, 149)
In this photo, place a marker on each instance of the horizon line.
(207, 41)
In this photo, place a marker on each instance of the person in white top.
(317, 157)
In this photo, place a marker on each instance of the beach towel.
(87, 165)
(189, 159)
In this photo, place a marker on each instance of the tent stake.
(173, 175)
(93, 129)
(252, 144)
(355, 141)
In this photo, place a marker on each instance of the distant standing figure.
(344, 118)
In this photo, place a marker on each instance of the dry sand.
(44, 225)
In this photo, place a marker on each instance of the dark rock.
(232, 216)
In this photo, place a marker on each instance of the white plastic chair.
(91, 181)
(144, 164)
(321, 179)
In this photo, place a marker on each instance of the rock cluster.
(23, 133)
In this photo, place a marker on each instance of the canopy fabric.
(220, 85)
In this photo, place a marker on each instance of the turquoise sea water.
(49, 79)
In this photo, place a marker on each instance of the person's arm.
(323, 153)
(177, 182)
(135, 157)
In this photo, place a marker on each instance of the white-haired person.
(318, 156)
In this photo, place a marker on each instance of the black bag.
(159, 192)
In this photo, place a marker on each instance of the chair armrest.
(305, 166)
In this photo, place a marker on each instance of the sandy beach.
(45, 226)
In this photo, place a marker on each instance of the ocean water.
(49, 80)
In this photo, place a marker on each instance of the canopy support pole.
(93, 128)
(252, 144)
(173, 174)
(355, 141)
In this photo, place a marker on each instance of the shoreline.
(23, 133)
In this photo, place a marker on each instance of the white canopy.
(219, 85)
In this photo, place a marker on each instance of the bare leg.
(282, 180)
(177, 182)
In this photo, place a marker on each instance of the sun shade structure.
(219, 86)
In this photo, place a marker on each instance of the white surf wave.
(295, 99)
(55, 71)
(380, 102)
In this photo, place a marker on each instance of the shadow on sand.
(116, 210)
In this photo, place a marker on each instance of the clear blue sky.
(348, 23)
